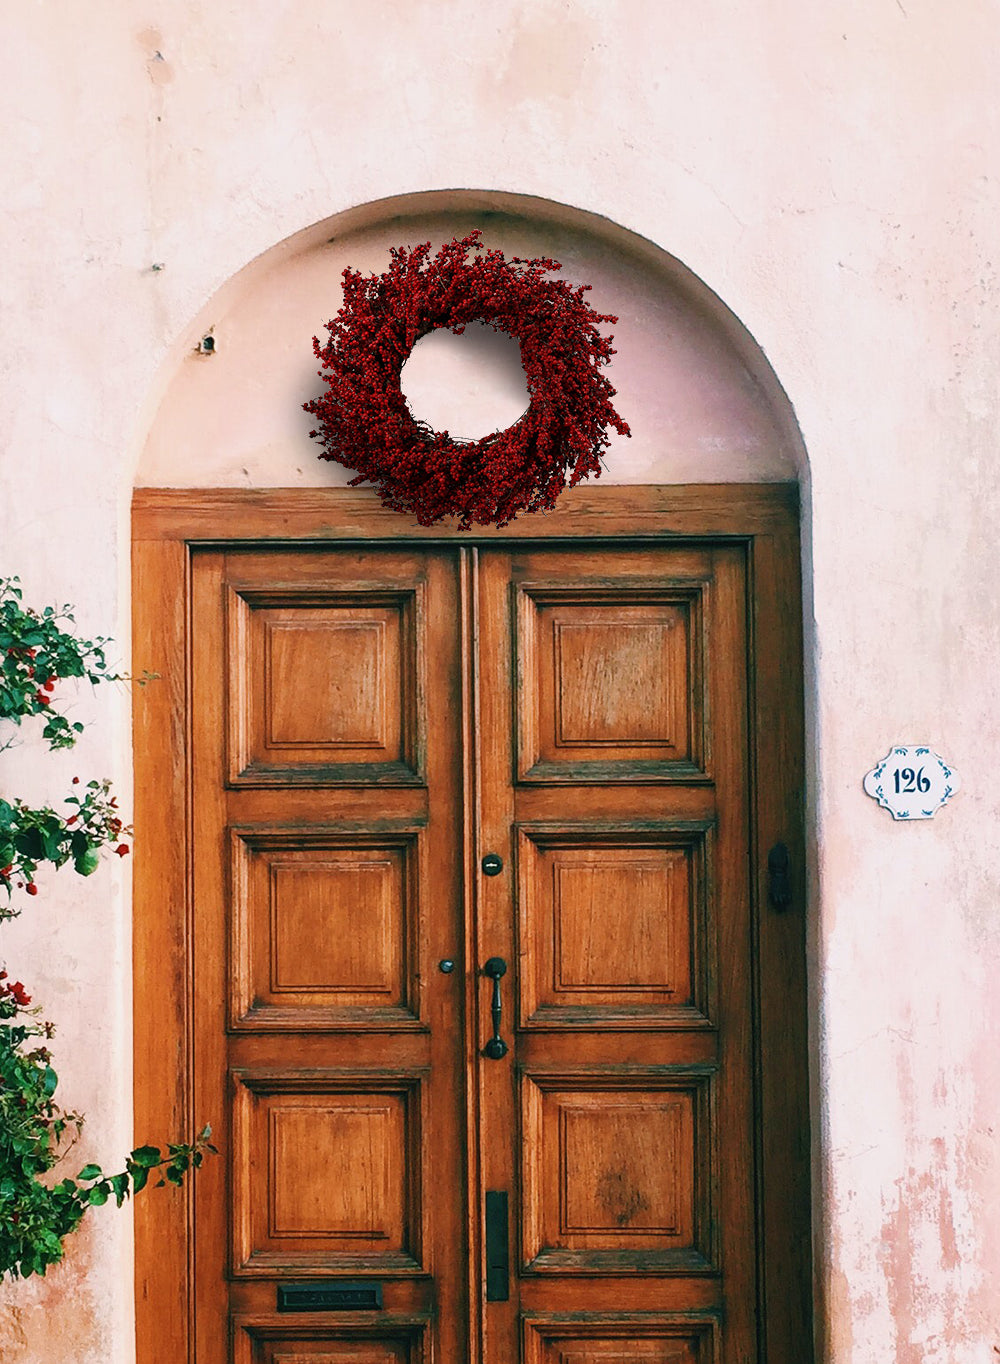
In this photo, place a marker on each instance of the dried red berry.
(364, 423)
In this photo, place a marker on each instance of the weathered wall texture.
(832, 172)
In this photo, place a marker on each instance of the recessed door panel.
(613, 925)
(623, 1340)
(327, 1172)
(616, 1171)
(324, 928)
(610, 681)
(288, 1342)
(324, 684)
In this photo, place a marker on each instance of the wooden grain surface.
(342, 731)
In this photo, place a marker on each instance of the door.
(475, 999)
(612, 766)
(328, 803)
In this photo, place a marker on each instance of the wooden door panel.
(325, 928)
(324, 685)
(328, 1172)
(617, 1171)
(326, 1342)
(608, 681)
(589, 1339)
(613, 925)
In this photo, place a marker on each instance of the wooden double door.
(471, 999)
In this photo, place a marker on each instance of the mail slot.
(329, 1297)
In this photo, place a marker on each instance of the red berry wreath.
(365, 424)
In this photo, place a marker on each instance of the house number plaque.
(912, 782)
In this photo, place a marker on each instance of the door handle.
(496, 1047)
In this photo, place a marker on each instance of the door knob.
(496, 1047)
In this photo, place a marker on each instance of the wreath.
(365, 423)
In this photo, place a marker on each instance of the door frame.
(168, 527)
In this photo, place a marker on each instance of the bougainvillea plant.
(35, 1214)
(36, 652)
(30, 836)
(363, 420)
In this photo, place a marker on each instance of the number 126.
(909, 780)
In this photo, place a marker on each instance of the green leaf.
(146, 1156)
(89, 1172)
(87, 862)
(52, 844)
(29, 844)
(98, 1195)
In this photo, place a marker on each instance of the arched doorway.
(400, 758)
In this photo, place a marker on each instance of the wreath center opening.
(469, 385)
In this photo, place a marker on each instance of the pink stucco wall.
(832, 173)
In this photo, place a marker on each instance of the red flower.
(50, 684)
(31, 888)
(18, 994)
(41, 698)
(122, 850)
(76, 781)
